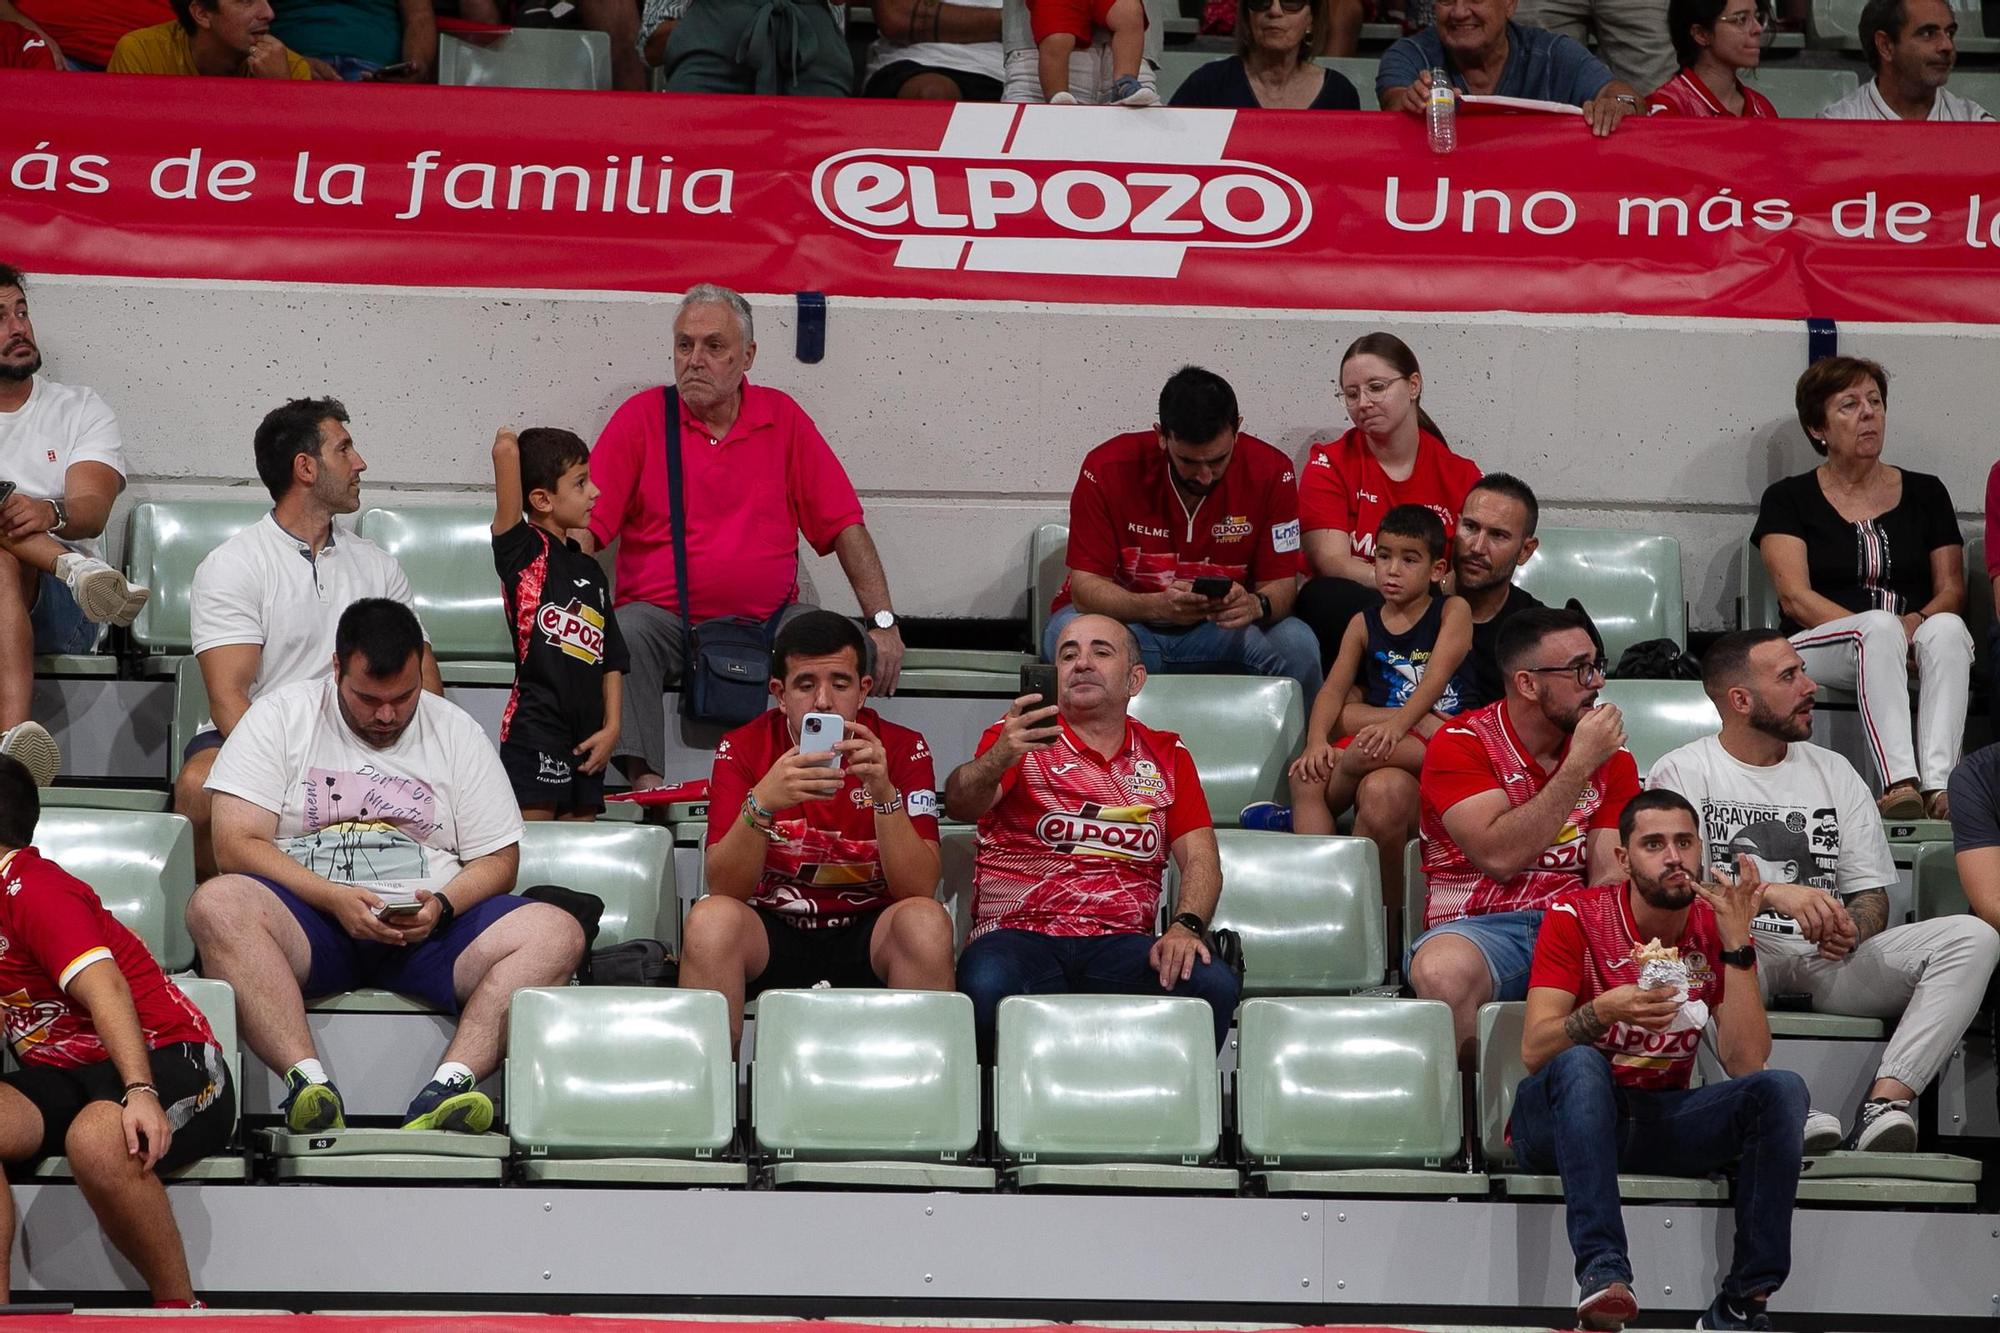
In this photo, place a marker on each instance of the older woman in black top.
(1869, 568)
(1273, 67)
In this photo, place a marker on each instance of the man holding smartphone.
(1189, 533)
(822, 838)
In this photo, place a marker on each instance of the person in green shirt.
(362, 39)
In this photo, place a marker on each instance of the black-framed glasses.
(1585, 672)
(1289, 6)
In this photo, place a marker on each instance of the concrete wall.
(962, 425)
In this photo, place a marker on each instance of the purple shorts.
(422, 971)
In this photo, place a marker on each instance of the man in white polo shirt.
(264, 603)
(1911, 45)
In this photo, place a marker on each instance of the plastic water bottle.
(1441, 116)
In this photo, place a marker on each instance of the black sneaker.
(1725, 1313)
(1883, 1125)
(1607, 1307)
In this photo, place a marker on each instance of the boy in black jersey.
(569, 659)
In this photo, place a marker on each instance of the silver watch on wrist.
(62, 514)
(883, 619)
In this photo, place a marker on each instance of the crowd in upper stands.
(1672, 57)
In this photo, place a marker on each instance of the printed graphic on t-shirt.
(1126, 832)
(30, 1022)
(576, 629)
(363, 826)
(1404, 672)
(1792, 844)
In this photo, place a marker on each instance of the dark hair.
(1728, 657)
(288, 431)
(20, 803)
(1416, 522)
(1319, 30)
(1683, 15)
(1511, 486)
(1522, 633)
(547, 452)
(1398, 354)
(1822, 380)
(13, 277)
(1886, 16)
(1197, 405)
(184, 11)
(817, 634)
(385, 633)
(1653, 798)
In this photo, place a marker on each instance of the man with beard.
(61, 467)
(1828, 934)
(1189, 534)
(1610, 1039)
(1912, 46)
(1520, 804)
(368, 836)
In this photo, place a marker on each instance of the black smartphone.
(6, 491)
(400, 72)
(1211, 585)
(1039, 678)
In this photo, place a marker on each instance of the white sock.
(452, 1069)
(68, 566)
(312, 1071)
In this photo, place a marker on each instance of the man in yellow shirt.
(221, 38)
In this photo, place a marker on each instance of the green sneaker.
(311, 1108)
(451, 1105)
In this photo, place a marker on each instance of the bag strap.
(676, 504)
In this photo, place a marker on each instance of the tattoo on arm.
(1583, 1026)
(1870, 913)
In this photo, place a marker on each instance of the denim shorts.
(1507, 941)
(59, 623)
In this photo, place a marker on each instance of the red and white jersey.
(52, 927)
(1344, 488)
(1078, 842)
(1128, 523)
(1686, 95)
(21, 47)
(825, 869)
(1586, 947)
(1479, 752)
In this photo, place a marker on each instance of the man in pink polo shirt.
(757, 474)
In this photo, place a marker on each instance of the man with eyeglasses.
(1520, 803)
(1486, 52)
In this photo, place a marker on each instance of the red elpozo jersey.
(51, 928)
(1586, 949)
(1078, 842)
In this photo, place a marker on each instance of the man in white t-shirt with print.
(1912, 46)
(61, 468)
(369, 836)
(264, 603)
(1805, 816)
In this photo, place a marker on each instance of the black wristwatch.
(1743, 957)
(1264, 602)
(446, 915)
(1190, 921)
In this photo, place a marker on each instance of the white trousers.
(1869, 655)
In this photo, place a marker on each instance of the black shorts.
(547, 777)
(801, 959)
(210, 739)
(889, 81)
(195, 1092)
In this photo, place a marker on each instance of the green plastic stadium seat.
(1800, 93)
(164, 541)
(1500, 1073)
(1048, 566)
(386, 1156)
(526, 58)
(1661, 715)
(140, 864)
(1174, 68)
(1360, 71)
(621, 1085)
(1108, 1092)
(447, 552)
(868, 1088)
(1935, 890)
(190, 710)
(1241, 730)
(981, 661)
(957, 682)
(1630, 582)
(1825, 1027)
(1350, 1096)
(145, 799)
(1416, 892)
(1981, 86)
(1309, 911)
(629, 866)
(217, 1002)
(75, 664)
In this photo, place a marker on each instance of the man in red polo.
(1158, 513)
(757, 474)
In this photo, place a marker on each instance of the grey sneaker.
(1823, 1132)
(31, 744)
(1128, 91)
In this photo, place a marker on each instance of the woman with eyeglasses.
(1715, 41)
(1394, 454)
(1274, 66)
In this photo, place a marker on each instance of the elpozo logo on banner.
(1040, 189)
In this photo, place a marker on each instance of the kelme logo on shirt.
(576, 629)
(1123, 831)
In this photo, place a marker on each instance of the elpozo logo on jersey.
(1124, 831)
(576, 629)
(1081, 191)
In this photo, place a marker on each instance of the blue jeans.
(1572, 1119)
(1505, 939)
(1025, 962)
(58, 623)
(1285, 648)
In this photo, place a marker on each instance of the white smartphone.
(820, 732)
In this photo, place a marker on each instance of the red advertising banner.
(440, 187)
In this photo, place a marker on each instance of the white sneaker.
(102, 593)
(31, 744)
(1883, 1126)
(1823, 1132)
(1064, 98)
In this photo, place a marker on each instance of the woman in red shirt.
(1715, 41)
(1394, 455)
